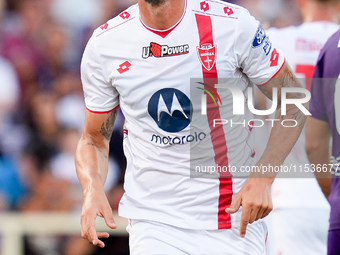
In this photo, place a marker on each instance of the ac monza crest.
(207, 55)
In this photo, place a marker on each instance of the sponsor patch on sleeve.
(267, 46)
(261, 39)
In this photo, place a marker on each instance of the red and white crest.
(207, 55)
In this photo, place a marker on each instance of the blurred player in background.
(142, 61)
(300, 217)
(324, 124)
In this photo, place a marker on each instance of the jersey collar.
(164, 33)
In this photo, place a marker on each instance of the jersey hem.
(186, 225)
(102, 112)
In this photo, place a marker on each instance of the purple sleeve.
(325, 77)
(316, 104)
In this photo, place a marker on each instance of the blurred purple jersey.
(325, 106)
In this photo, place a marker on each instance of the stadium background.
(41, 117)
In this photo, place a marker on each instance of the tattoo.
(266, 92)
(107, 127)
(288, 80)
(92, 144)
(293, 113)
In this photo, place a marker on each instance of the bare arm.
(92, 166)
(282, 139)
(255, 196)
(318, 135)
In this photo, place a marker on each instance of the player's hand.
(95, 204)
(256, 202)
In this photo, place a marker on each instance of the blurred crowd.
(41, 101)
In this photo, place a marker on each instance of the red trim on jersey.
(161, 33)
(164, 33)
(217, 133)
(114, 27)
(259, 85)
(102, 112)
(216, 15)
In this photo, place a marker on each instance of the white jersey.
(175, 152)
(301, 46)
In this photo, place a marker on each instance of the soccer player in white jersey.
(159, 61)
(303, 199)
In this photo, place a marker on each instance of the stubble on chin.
(155, 2)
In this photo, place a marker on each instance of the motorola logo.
(171, 109)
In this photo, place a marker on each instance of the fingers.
(95, 204)
(256, 212)
(261, 210)
(246, 213)
(98, 242)
(89, 230)
(93, 237)
(245, 217)
(252, 212)
(268, 209)
(235, 205)
(109, 218)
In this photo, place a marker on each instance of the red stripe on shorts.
(218, 139)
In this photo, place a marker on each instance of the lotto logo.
(228, 11)
(274, 60)
(105, 26)
(204, 6)
(124, 67)
(124, 15)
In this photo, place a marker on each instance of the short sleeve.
(100, 95)
(316, 104)
(255, 53)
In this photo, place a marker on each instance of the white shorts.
(298, 231)
(154, 238)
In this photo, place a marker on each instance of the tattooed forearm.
(289, 80)
(266, 92)
(293, 113)
(107, 127)
(92, 144)
(286, 79)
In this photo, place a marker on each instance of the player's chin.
(155, 2)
